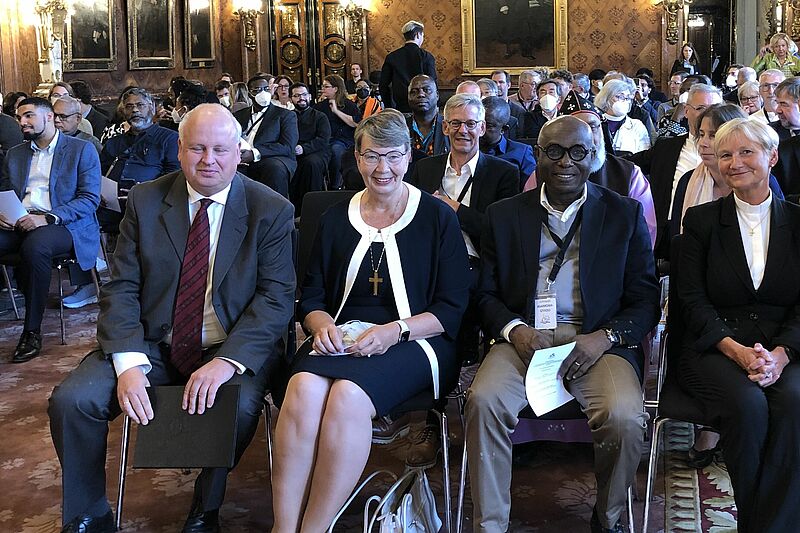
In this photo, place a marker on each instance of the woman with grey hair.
(750, 100)
(382, 301)
(627, 135)
(739, 287)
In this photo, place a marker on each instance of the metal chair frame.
(58, 263)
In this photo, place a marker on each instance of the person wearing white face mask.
(223, 90)
(626, 134)
(549, 92)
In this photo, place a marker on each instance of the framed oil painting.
(199, 32)
(90, 43)
(151, 34)
(513, 35)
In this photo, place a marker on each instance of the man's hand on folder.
(132, 396)
(201, 390)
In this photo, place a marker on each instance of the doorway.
(710, 31)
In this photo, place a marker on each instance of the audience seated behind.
(343, 116)
(232, 334)
(312, 150)
(494, 141)
(425, 120)
(408, 277)
(271, 134)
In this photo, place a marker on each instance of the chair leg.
(268, 431)
(61, 304)
(96, 281)
(448, 503)
(123, 467)
(631, 521)
(462, 484)
(652, 467)
(7, 281)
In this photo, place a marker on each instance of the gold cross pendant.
(375, 280)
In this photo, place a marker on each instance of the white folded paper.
(11, 209)
(351, 331)
(109, 193)
(543, 387)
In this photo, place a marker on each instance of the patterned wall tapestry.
(601, 34)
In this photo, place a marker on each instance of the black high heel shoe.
(700, 458)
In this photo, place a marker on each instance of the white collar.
(471, 164)
(569, 211)
(49, 148)
(220, 198)
(750, 210)
(354, 214)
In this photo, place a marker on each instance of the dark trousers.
(271, 172)
(81, 407)
(309, 176)
(338, 147)
(760, 437)
(37, 249)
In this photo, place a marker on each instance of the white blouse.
(754, 225)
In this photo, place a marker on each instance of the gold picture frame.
(151, 34)
(91, 40)
(200, 31)
(512, 35)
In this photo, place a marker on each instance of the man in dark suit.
(10, 134)
(57, 178)
(601, 292)
(271, 132)
(312, 150)
(787, 96)
(494, 141)
(425, 121)
(203, 305)
(469, 181)
(403, 64)
(787, 169)
(98, 119)
(503, 80)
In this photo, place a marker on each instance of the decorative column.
(52, 15)
(248, 11)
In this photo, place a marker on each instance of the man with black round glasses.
(568, 261)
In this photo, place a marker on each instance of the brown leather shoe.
(425, 447)
(385, 430)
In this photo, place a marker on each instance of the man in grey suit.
(57, 178)
(204, 235)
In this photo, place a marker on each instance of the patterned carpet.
(553, 488)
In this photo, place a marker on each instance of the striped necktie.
(187, 323)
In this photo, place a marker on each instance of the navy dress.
(436, 275)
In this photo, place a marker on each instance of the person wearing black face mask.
(368, 104)
(312, 150)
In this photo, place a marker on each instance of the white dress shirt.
(37, 192)
(689, 159)
(213, 332)
(561, 217)
(754, 225)
(453, 182)
(252, 130)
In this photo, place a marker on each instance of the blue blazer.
(74, 189)
(520, 154)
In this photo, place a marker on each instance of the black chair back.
(675, 320)
(314, 206)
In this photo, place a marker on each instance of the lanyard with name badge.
(545, 303)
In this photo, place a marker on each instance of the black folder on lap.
(176, 439)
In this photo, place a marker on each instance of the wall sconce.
(673, 9)
(248, 11)
(355, 13)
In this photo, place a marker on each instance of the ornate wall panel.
(331, 31)
(602, 34)
(290, 22)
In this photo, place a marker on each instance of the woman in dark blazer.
(687, 61)
(739, 273)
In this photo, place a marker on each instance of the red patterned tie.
(187, 323)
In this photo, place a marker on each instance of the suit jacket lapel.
(530, 224)
(433, 181)
(731, 237)
(594, 213)
(175, 216)
(477, 180)
(232, 232)
(780, 243)
(55, 168)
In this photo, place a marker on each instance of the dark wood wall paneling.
(19, 67)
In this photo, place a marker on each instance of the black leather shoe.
(596, 527)
(700, 458)
(202, 522)
(91, 524)
(29, 346)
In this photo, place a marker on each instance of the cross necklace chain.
(375, 279)
(752, 229)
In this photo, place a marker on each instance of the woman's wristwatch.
(404, 331)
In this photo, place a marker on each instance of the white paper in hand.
(109, 193)
(11, 209)
(351, 331)
(544, 389)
